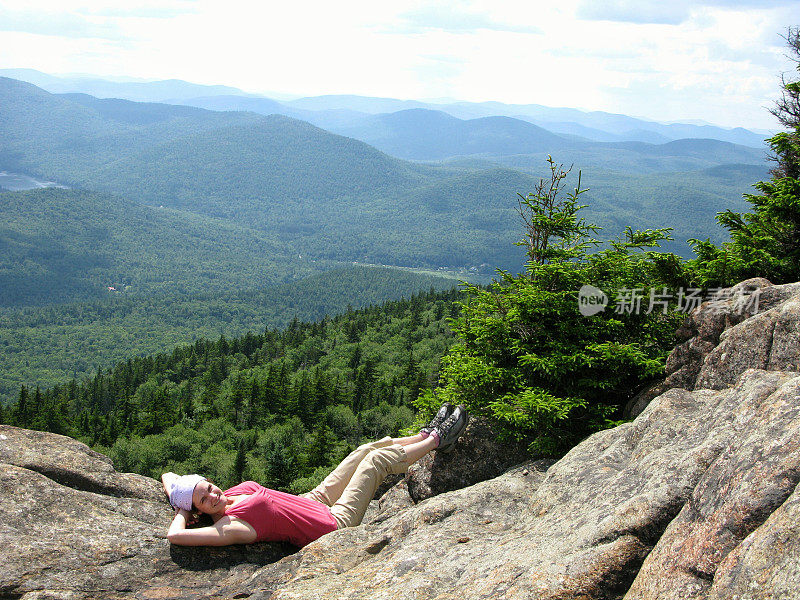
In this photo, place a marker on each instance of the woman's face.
(208, 498)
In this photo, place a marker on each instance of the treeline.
(52, 344)
(276, 406)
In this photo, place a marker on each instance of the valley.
(174, 222)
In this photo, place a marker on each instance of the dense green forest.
(60, 245)
(280, 406)
(51, 344)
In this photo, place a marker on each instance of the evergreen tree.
(766, 241)
(21, 413)
(240, 463)
(238, 399)
(37, 419)
(527, 358)
(320, 451)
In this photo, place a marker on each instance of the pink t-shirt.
(280, 517)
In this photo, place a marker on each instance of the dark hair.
(196, 511)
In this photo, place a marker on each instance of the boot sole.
(451, 447)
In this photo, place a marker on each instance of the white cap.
(181, 490)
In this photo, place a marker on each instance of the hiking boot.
(438, 418)
(452, 427)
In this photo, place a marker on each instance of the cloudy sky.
(714, 60)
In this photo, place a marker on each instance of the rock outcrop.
(72, 527)
(714, 352)
(696, 498)
(480, 457)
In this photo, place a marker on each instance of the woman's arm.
(224, 532)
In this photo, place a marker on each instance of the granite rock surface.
(695, 498)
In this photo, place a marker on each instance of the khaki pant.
(351, 486)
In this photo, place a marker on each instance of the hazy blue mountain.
(134, 113)
(624, 161)
(355, 103)
(598, 135)
(143, 91)
(646, 136)
(426, 135)
(593, 125)
(333, 120)
(738, 172)
(722, 152)
(625, 127)
(263, 106)
(617, 124)
(322, 196)
(421, 134)
(57, 138)
(33, 76)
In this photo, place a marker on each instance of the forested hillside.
(52, 344)
(65, 245)
(279, 407)
(323, 196)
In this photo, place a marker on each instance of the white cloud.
(455, 18)
(721, 63)
(635, 11)
(53, 23)
(672, 12)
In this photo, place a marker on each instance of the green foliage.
(280, 407)
(553, 230)
(527, 358)
(766, 241)
(54, 344)
(279, 450)
(66, 245)
(301, 485)
(376, 421)
(343, 422)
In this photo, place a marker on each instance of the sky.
(717, 61)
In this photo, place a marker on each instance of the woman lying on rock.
(249, 513)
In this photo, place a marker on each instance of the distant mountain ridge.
(422, 134)
(426, 135)
(327, 197)
(594, 125)
(141, 91)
